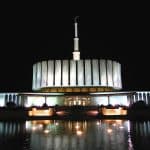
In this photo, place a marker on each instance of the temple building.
(76, 82)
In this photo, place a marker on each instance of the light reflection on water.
(74, 135)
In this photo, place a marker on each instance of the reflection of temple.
(54, 134)
(140, 135)
(11, 128)
(81, 135)
(77, 127)
(14, 135)
(53, 126)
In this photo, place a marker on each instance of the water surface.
(75, 135)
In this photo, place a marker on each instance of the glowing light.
(102, 100)
(98, 123)
(40, 112)
(79, 102)
(52, 101)
(109, 130)
(83, 103)
(34, 128)
(92, 112)
(121, 127)
(2, 102)
(40, 125)
(46, 121)
(28, 125)
(60, 113)
(128, 126)
(35, 101)
(46, 131)
(121, 100)
(77, 126)
(40, 122)
(79, 132)
(118, 121)
(34, 109)
(114, 124)
(56, 123)
(114, 111)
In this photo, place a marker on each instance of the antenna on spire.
(76, 53)
(76, 26)
(75, 19)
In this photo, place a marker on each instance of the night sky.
(26, 39)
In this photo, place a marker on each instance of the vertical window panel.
(34, 77)
(50, 73)
(103, 72)
(109, 73)
(119, 75)
(80, 73)
(65, 73)
(58, 73)
(95, 72)
(38, 75)
(115, 74)
(44, 74)
(88, 79)
(72, 72)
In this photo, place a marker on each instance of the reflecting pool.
(75, 135)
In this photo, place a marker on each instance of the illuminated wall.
(60, 100)
(113, 100)
(141, 95)
(11, 97)
(40, 100)
(2, 100)
(27, 100)
(82, 73)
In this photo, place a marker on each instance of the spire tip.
(75, 19)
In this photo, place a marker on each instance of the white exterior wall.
(115, 74)
(65, 73)
(119, 76)
(88, 78)
(70, 73)
(95, 72)
(57, 73)
(50, 73)
(34, 81)
(109, 73)
(103, 72)
(38, 75)
(2, 100)
(44, 74)
(27, 100)
(80, 73)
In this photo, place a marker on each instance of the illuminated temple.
(76, 82)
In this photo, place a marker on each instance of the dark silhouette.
(139, 105)
(10, 104)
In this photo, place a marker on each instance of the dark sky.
(28, 38)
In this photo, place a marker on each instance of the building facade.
(76, 82)
(52, 99)
(88, 75)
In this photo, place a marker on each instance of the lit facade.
(52, 99)
(89, 75)
(76, 82)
